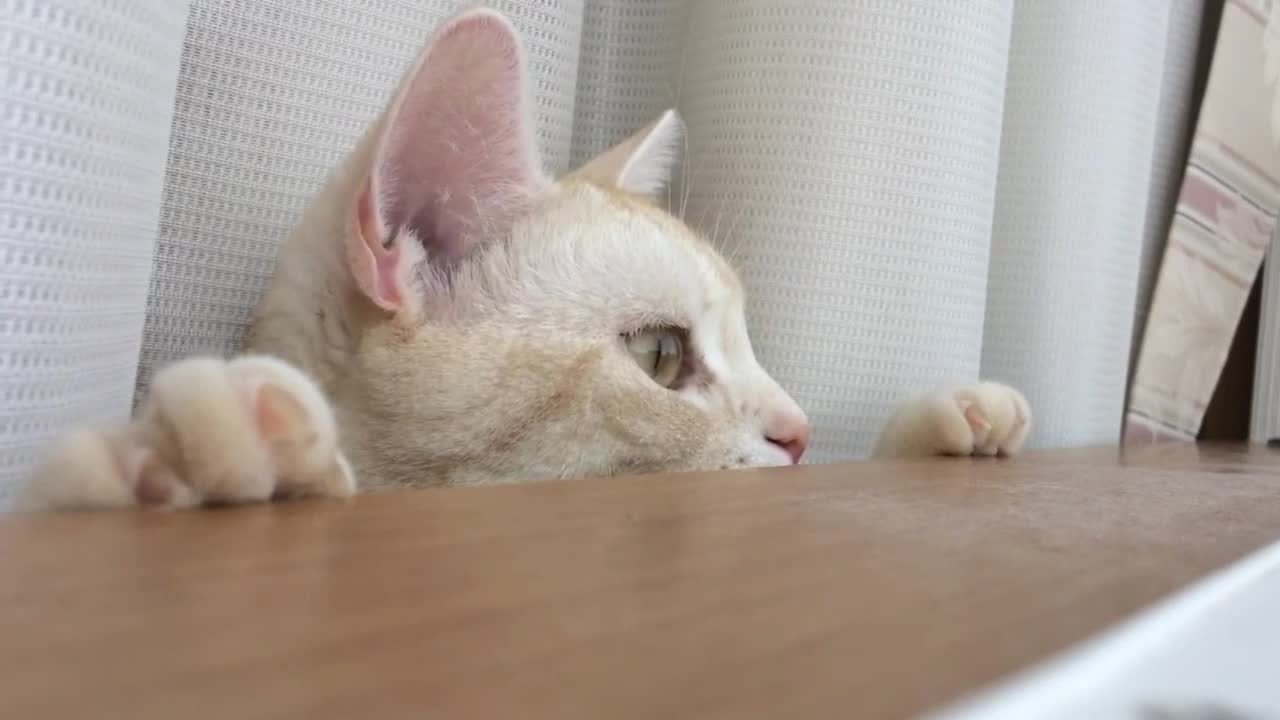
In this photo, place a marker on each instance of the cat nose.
(789, 431)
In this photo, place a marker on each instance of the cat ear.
(642, 163)
(453, 161)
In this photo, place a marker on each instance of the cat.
(444, 313)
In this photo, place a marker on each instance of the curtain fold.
(844, 154)
(1075, 171)
(86, 103)
(913, 192)
(1264, 421)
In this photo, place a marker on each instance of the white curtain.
(913, 191)
(87, 98)
(1087, 116)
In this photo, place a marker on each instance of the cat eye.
(659, 352)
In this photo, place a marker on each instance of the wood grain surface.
(850, 591)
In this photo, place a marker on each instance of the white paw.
(984, 418)
(210, 431)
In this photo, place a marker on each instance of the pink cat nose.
(789, 432)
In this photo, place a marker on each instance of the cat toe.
(981, 419)
(93, 469)
(296, 424)
(249, 430)
(998, 416)
(1012, 421)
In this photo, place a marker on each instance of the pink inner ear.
(458, 158)
(374, 263)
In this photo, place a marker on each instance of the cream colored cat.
(444, 313)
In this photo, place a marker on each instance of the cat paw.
(210, 431)
(984, 418)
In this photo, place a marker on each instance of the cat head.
(477, 321)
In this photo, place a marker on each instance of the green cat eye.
(659, 352)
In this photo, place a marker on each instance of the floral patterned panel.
(1221, 228)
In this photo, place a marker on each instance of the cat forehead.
(586, 258)
(633, 232)
(674, 257)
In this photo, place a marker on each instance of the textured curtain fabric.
(913, 192)
(845, 155)
(86, 106)
(1082, 129)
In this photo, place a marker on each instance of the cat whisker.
(701, 225)
(684, 175)
(732, 233)
(716, 242)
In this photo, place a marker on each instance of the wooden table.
(853, 591)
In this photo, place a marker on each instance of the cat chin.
(753, 461)
(770, 463)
